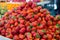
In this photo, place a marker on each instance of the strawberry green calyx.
(15, 9)
(58, 17)
(57, 31)
(39, 24)
(31, 26)
(37, 35)
(13, 17)
(57, 25)
(43, 31)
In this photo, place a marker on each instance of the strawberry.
(58, 22)
(16, 37)
(22, 30)
(21, 36)
(3, 32)
(34, 23)
(32, 19)
(21, 25)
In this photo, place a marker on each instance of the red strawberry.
(9, 36)
(22, 30)
(39, 7)
(43, 39)
(34, 23)
(27, 23)
(21, 25)
(35, 10)
(16, 24)
(39, 20)
(36, 16)
(49, 36)
(33, 28)
(17, 29)
(22, 21)
(34, 5)
(3, 32)
(58, 22)
(28, 16)
(13, 31)
(30, 3)
(21, 36)
(11, 21)
(32, 19)
(16, 37)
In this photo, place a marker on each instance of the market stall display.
(30, 22)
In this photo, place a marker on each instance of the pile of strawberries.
(30, 22)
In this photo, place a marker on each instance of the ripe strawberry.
(3, 32)
(30, 3)
(54, 23)
(43, 39)
(0, 29)
(21, 36)
(35, 10)
(28, 29)
(32, 19)
(45, 36)
(40, 27)
(36, 16)
(11, 21)
(13, 31)
(9, 36)
(22, 30)
(1, 22)
(33, 5)
(8, 30)
(21, 25)
(39, 7)
(7, 25)
(28, 17)
(16, 37)
(27, 23)
(33, 28)
(28, 35)
(17, 29)
(16, 24)
(25, 39)
(22, 21)
(58, 22)
(39, 20)
(37, 39)
(34, 23)
(49, 23)
(49, 36)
